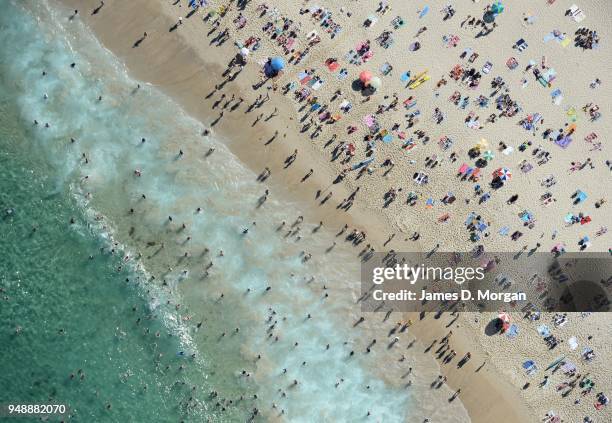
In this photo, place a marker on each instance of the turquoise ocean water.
(101, 305)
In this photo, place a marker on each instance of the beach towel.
(424, 12)
(512, 332)
(530, 367)
(528, 364)
(504, 230)
(525, 216)
(550, 75)
(557, 96)
(566, 42)
(342, 74)
(405, 76)
(369, 121)
(564, 142)
(318, 84)
(576, 13)
(543, 330)
(305, 80)
(385, 68)
(470, 219)
(333, 66)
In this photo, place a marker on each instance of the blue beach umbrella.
(387, 138)
(277, 63)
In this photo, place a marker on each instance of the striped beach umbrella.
(503, 173)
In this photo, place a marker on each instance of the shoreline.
(188, 86)
(170, 63)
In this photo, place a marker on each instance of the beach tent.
(244, 52)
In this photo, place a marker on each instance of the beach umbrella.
(497, 8)
(365, 76)
(277, 63)
(375, 82)
(505, 319)
(244, 52)
(488, 155)
(503, 173)
(387, 138)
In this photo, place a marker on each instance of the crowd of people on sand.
(322, 114)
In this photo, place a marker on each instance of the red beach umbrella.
(505, 321)
(365, 76)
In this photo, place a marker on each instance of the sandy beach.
(179, 55)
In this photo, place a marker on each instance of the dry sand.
(184, 65)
